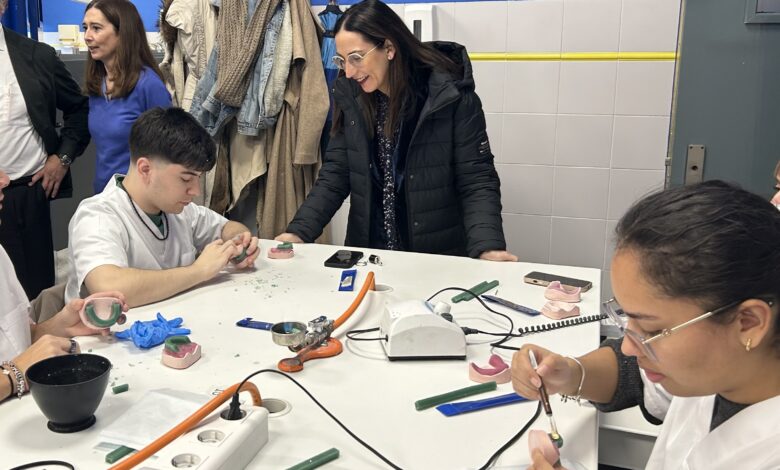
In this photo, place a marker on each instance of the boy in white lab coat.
(696, 273)
(142, 235)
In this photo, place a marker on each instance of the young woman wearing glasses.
(409, 146)
(696, 277)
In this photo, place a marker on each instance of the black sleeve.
(327, 194)
(630, 387)
(476, 179)
(74, 135)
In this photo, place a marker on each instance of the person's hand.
(215, 257)
(554, 369)
(539, 462)
(288, 237)
(52, 173)
(497, 255)
(67, 322)
(246, 241)
(47, 346)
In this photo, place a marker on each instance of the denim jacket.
(212, 113)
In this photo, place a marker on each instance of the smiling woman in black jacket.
(409, 146)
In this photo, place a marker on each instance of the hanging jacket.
(450, 185)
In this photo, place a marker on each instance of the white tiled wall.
(576, 142)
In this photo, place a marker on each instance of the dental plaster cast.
(102, 312)
(179, 352)
(499, 372)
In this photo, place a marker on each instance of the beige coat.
(289, 153)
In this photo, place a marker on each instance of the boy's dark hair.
(711, 242)
(173, 135)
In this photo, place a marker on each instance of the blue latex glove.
(147, 334)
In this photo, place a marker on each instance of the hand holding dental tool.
(545, 399)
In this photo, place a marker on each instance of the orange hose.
(369, 284)
(186, 425)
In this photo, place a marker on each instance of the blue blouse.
(110, 121)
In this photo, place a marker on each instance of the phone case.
(343, 259)
(544, 279)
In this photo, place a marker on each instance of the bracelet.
(578, 396)
(20, 384)
(7, 373)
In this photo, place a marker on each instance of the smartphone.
(543, 279)
(512, 305)
(343, 259)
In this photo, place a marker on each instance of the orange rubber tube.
(186, 425)
(369, 284)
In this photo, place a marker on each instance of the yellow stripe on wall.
(571, 56)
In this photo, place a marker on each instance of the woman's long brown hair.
(132, 53)
(378, 23)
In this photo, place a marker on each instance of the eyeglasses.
(617, 316)
(354, 59)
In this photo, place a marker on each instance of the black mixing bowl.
(68, 389)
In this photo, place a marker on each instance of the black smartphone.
(343, 259)
(543, 279)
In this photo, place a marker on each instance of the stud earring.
(747, 345)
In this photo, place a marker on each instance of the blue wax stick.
(453, 409)
(249, 323)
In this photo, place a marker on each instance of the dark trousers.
(25, 233)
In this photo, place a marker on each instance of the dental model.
(282, 251)
(499, 373)
(559, 310)
(557, 291)
(102, 312)
(179, 352)
(538, 439)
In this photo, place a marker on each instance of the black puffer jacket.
(452, 190)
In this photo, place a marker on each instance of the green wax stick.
(317, 461)
(118, 453)
(120, 388)
(454, 395)
(284, 246)
(479, 289)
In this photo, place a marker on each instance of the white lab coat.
(106, 230)
(14, 312)
(747, 440)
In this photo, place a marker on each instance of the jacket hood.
(458, 54)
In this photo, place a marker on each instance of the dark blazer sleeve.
(74, 134)
(327, 194)
(476, 178)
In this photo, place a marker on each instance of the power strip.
(216, 443)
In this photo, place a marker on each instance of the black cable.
(41, 463)
(514, 438)
(507, 336)
(351, 335)
(363, 443)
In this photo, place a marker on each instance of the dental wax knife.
(454, 409)
(545, 400)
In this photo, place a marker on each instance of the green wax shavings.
(118, 454)
(173, 343)
(284, 246)
(120, 388)
(317, 461)
(454, 395)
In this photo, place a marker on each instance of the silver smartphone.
(543, 279)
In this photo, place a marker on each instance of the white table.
(372, 396)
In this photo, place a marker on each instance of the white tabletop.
(370, 395)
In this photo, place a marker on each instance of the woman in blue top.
(122, 81)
